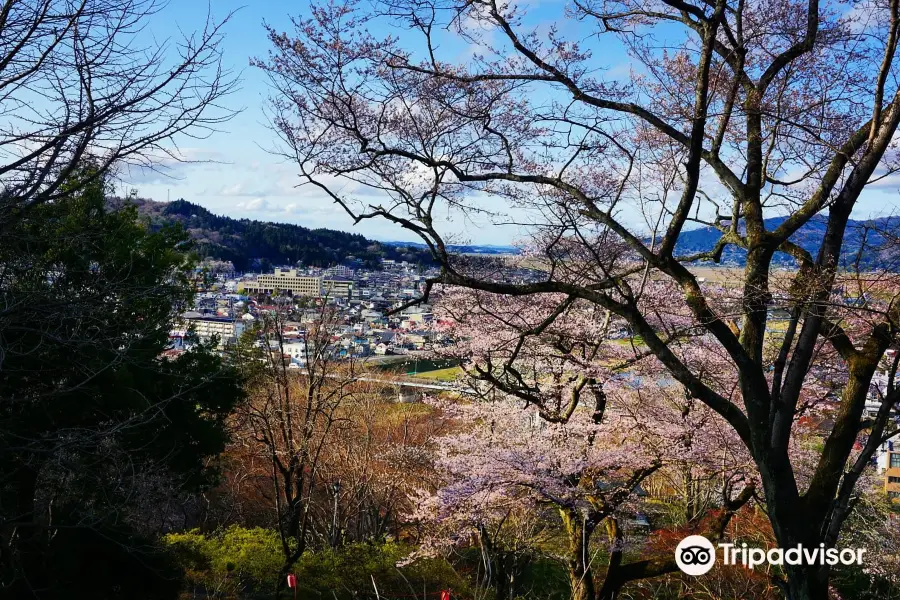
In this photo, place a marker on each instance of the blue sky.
(238, 175)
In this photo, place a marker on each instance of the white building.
(228, 330)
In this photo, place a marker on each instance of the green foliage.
(248, 562)
(236, 560)
(90, 297)
(96, 422)
(349, 571)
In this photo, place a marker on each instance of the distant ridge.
(251, 244)
(464, 249)
(871, 242)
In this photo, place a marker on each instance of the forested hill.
(251, 244)
(247, 243)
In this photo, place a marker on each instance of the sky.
(236, 171)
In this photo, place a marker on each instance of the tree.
(102, 430)
(728, 120)
(585, 470)
(592, 436)
(291, 417)
(77, 84)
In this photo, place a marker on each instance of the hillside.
(251, 244)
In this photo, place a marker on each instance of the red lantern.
(292, 581)
(445, 595)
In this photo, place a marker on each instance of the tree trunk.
(22, 560)
(579, 533)
(792, 527)
(612, 583)
(807, 583)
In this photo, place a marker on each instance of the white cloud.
(246, 189)
(257, 204)
(168, 169)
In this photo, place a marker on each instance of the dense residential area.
(450, 300)
(374, 321)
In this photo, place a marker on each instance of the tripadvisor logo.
(696, 555)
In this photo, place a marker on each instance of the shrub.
(240, 562)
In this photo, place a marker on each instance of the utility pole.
(336, 488)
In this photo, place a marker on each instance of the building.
(289, 282)
(227, 329)
(285, 281)
(340, 270)
(337, 287)
(887, 457)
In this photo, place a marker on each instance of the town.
(379, 318)
(228, 304)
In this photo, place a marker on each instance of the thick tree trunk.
(579, 533)
(21, 537)
(792, 527)
(807, 583)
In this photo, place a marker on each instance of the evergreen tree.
(100, 430)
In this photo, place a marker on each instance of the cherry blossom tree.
(756, 119)
(590, 435)
(586, 471)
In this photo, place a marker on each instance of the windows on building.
(895, 460)
(892, 479)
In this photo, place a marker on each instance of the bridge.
(407, 388)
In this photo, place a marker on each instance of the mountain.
(872, 243)
(464, 249)
(251, 244)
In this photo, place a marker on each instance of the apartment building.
(337, 287)
(888, 460)
(285, 281)
(227, 329)
(289, 282)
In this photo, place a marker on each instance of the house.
(296, 349)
